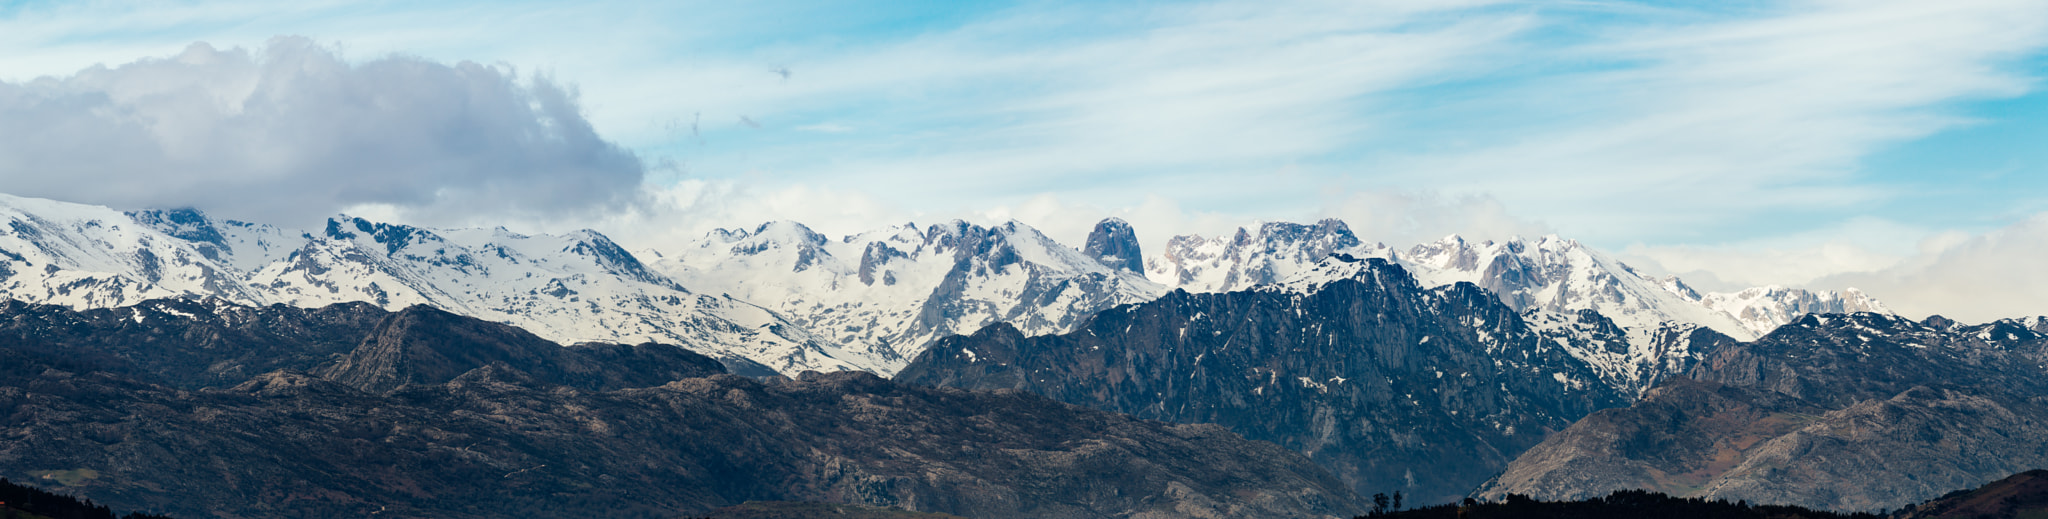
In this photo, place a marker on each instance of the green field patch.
(69, 478)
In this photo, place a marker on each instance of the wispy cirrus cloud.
(1713, 127)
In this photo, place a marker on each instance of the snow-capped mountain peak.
(1561, 275)
(891, 290)
(1267, 253)
(1765, 308)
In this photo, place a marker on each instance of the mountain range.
(781, 298)
(1532, 367)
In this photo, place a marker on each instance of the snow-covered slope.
(89, 256)
(886, 293)
(573, 287)
(568, 288)
(1558, 274)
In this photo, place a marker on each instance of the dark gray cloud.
(292, 132)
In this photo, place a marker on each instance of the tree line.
(26, 502)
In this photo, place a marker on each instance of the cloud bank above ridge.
(290, 132)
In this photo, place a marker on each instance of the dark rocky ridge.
(193, 344)
(1391, 386)
(515, 431)
(1845, 411)
(424, 345)
(186, 343)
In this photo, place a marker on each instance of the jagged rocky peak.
(873, 258)
(1678, 286)
(1268, 253)
(393, 237)
(1940, 323)
(1450, 253)
(995, 247)
(1325, 236)
(610, 256)
(182, 223)
(808, 245)
(1115, 244)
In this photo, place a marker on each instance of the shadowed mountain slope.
(1390, 385)
(1843, 411)
(444, 416)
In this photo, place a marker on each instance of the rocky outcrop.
(1391, 386)
(1115, 245)
(466, 420)
(1844, 411)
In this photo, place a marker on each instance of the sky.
(1900, 147)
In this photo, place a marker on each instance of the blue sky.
(1737, 143)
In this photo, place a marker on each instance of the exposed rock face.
(1858, 411)
(1391, 386)
(1676, 440)
(1115, 245)
(473, 419)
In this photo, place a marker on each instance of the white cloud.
(1972, 279)
(1856, 245)
(1401, 219)
(291, 133)
(684, 212)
